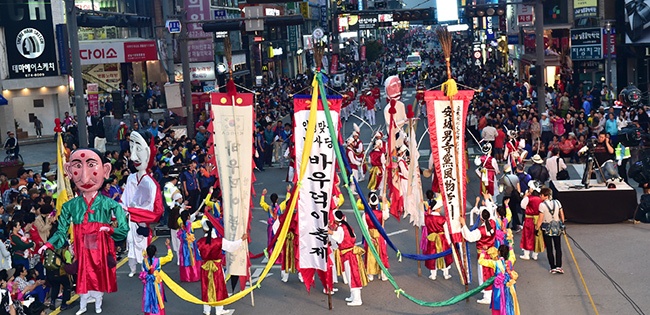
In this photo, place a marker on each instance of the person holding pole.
(437, 237)
(484, 237)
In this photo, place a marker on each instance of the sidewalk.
(35, 154)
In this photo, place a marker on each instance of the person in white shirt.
(554, 164)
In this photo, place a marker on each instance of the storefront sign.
(200, 46)
(202, 71)
(335, 64)
(108, 73)
(293, 38)
(93, 98)
(555, 12)
(323, 14)
(100, 52)
(612, 42)
(585, 8)
(62, 47)
(368, 22)
(525, 15)
(29, 35)
(587, 44)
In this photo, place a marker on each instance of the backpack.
(53, 260)
(555, 227)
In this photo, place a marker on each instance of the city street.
(612, 246)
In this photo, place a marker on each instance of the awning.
(3, 100)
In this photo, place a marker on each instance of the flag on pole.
(64, 190)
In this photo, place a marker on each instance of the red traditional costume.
(377, 240)
(484, 240)
(529, 240)
(213, 284)
(377, 164)
(436, 225)
(488, 170)
(351, 258)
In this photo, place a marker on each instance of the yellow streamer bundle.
(309, 139)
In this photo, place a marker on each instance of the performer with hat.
(376, 93)
(377, 165)
(141, 198)
(211, 248)
(369, 103)
(532, 241)
(487, 170)
(437, 237)
(381, 212)
(515, 153)
(484, 237)
(174, 201)
(351, 255)
(355, 161)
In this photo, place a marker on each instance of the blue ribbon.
(469, 265)
(378, 225)
(150, 299)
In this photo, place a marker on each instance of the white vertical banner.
(233, 149)
(447, 134)
(315, 194)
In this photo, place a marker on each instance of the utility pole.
(187, 87)
(167, 9)
(539, 51)
(80, 103)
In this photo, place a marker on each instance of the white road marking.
(264, 222)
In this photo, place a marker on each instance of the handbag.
(563, 174)
(555, 227)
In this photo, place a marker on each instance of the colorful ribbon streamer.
(309, 139)
(364, 229)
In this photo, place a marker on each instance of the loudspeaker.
(118, 104)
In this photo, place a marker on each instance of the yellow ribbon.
(289, 254)
(450, 88)
(211, 267)
(437, 239)
(309, 140)
(373, 266)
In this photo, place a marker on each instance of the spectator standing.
(554, 164)
(268, 144)
(512, 190)
(38, 125)
(191, 186)
(499, 143)
(489, 134)
(537, 171)
(546, 127)
(122, 133)
(611, 126)
(551, 210)
(202, 137)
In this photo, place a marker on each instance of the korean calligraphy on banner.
(447, 134)
(315, 195)
(233, 149)
(200, 46)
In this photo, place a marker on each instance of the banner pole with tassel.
(232, 90)
(450, 89)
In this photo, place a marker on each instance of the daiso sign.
(100, 52)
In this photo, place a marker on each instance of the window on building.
(39, 103)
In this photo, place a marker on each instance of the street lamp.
(608, 48)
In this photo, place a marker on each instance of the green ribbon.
(364, 229)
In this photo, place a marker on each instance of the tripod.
(589, 167)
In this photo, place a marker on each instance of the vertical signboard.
(93, 98)
(62, 47)
(200, 44)
(293, 38)
(29, 35)
(323, 13)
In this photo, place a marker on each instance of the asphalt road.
(618, 248)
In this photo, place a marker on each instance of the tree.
(373, 50)
(399, 34)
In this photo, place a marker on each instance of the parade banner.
(447, 133)
(315, 194)
(233, 148)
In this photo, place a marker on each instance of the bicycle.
(13, 156)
